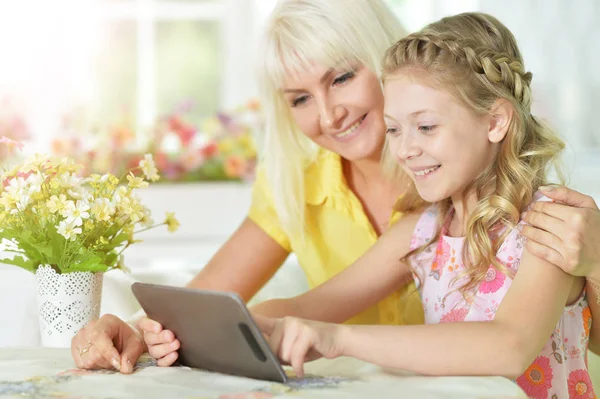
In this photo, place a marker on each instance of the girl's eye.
(344, 78)
(391, 131)
(299, 101)
(427, 128)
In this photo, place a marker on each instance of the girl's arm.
(504, 346)
(371, 278)
(566, 232)
(593, 291)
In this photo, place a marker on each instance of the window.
(107, 61)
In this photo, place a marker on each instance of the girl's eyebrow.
(416, 113)
(390, 117)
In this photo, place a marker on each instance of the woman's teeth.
(350, 129)
(426, 171)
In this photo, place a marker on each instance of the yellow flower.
(95, 178)
(88, 224)
(147, 220)
(102, 209)
(136, 182)
(121, 264)
(171, 222)
(113, 180)
(132, 208)
(56, 203)
(149, 168)
(7, 200)
(101, 241)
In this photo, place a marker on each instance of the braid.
(498, 68)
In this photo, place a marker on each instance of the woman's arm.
(371, 278)
(243, 264)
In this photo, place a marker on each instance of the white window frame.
(236, 27)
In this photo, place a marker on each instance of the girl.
(459, 124)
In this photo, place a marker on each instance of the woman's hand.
(107, 343)
(162, 344)
(566, 232)
(296, 341)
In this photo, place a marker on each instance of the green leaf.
(111, 259)
(21, 262)
(119, 239)
(87, 264)
(46, 249)
(58, 245)
(30, 250)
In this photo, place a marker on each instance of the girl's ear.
(501, 115)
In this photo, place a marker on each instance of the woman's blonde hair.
(475, 58)
(334, 34)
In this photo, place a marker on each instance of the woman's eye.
(299, 101)
(391, 130)
(344, 78)
(427, 128)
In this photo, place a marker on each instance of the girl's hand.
(162, 344)
(296, 341)
(566, 232)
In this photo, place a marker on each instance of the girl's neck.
(463, 207)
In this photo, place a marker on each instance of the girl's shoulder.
(426, 226)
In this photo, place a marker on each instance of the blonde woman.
(320, 193)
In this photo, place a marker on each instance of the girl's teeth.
(426, 171)
(350, 129)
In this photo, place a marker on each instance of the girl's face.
(340, 110)
(441, 144)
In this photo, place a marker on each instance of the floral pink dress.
(560, 371)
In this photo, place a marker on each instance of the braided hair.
(476, 58)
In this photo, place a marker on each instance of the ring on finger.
(83, 351)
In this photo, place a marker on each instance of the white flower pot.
(66, 303)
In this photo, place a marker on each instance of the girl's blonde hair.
(331, 33)
(475, 58)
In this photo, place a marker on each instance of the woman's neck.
(367, 171)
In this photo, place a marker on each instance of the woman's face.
(340, 110)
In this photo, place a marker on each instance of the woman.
(321, 192)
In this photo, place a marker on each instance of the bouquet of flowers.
(50, 215)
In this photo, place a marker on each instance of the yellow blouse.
(338, 233)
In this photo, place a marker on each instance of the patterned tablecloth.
(49, 373)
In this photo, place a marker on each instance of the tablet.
(216, 331)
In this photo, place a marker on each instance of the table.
(49, 372)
